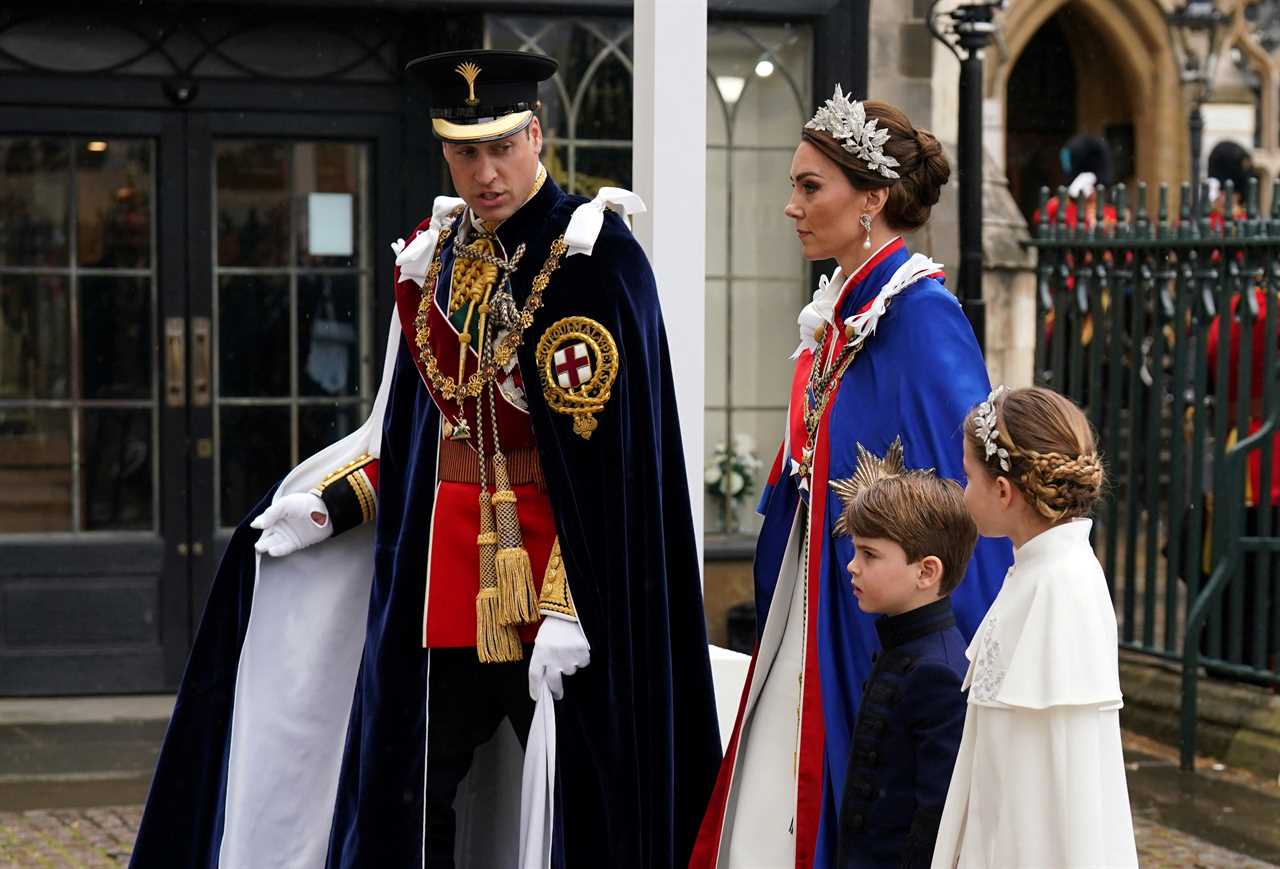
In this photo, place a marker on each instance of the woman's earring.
(865, 220)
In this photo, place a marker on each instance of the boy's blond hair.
(922, 513)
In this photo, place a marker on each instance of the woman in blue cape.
(885, 352)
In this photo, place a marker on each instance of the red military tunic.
(453, 563)
(453, 572)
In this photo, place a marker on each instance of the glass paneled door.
(88, 499)
(292, 279)
(186, 310)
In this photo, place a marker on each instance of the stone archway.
(1126, 66)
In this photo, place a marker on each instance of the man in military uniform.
(522, 486)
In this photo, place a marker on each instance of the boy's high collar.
(912, 625)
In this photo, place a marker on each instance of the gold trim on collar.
(491, 226)
(537, 182)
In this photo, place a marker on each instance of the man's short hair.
(924, 514)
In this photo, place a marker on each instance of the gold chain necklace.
(488, 369)
(822, 386)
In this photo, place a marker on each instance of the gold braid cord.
(517, 598)
(495, 642)
(497, 361)
(472, 276)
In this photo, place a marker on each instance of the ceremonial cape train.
(253, 771)
(916, 378)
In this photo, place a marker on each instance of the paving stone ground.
(100, 838)
(68, 838)
(97, 838)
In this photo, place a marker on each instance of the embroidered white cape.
(1039, 779)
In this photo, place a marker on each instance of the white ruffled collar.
(821, 310)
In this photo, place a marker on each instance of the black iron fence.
(1164, 328)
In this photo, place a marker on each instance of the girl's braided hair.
(1051, 454)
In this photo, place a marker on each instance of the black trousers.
(467, 703)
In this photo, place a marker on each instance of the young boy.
(912, 541)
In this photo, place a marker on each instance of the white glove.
(288, 524)
(560, 649)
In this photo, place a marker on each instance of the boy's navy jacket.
(905, 741)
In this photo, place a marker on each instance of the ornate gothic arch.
(1137, 39)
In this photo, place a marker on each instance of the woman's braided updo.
(1052, 457)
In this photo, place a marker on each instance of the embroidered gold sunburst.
(469, 71)
(870, 469)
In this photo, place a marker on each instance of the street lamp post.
(966, 31)
(1195, 26)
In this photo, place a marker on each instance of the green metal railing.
(1129, 311)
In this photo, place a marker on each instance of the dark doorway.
(1041, 114)
(177, 290)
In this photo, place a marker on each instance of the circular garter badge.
(578, 362)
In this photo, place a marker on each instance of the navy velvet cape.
(638, 744)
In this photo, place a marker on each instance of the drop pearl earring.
(866, 224)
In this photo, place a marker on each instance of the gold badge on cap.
(469, 71)
(578, 362)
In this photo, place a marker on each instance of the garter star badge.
(578, 363)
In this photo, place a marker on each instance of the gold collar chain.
(493, 363)
(822, 386)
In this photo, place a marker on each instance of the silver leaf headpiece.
(984, 422)
(846, 121)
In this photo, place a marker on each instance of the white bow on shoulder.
(414, 258)
(588, 218)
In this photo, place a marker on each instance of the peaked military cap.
(481, 95)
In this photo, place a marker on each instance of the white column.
(669, 172)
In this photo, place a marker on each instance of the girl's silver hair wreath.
(846, 121)
(984, 423)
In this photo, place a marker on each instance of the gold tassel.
(517, 596)
(496, 642)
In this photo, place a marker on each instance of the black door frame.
(64, 564)
(183, 558)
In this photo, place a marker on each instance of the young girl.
(1039, 780)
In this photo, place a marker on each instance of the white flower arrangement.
(730, 473)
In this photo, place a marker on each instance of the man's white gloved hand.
(560, 650)
(292, 523)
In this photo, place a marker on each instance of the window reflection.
(113, 203)
(35, 467)
(758, 98)
(34, 201)
(34, 331)
(253, 203)
(117, 345)
(77, 349)
(117, 476)
(292, 279)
